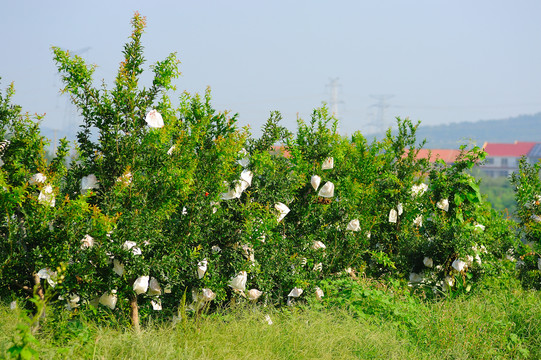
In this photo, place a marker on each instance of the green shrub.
(174, 204)
(527, 252)
(35, 219)
(154, 184)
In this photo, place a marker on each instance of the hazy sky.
(434, 61)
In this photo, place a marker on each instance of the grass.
(496, 321)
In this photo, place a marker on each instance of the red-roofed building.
(280, 150)
(502, 158)
(447, 155)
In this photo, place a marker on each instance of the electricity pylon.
(334, 85)
(381, 105)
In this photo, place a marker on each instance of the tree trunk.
(40, 307)
(37, 282)
(134, 314)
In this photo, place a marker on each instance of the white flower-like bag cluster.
(200, 299)
(394, 214)
(327, 190)
(293, 294)
(354, 225)
(283, 210)
(151, 286)
(244, 161)
(443, 204)
(154, 119)
(418, 190)
(202, 268)
(89, 182)
(243, 183)
(238, 283)
(46, 196)
(49, 275)
(109, 299)
(87, 242)
(315, 181)
(328, 164)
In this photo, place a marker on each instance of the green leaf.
(28, 353)
(459, 215)
(15, 350)
(475, 187)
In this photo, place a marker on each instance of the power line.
(381, 105)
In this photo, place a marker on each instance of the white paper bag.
(239, 282)
(154, 119)
(443, 204)
(283, 210)
(327, 190)
(315, 181)
(109, 299)
(141, 285)
(254, 294)
(88, 183)
(327, 164)
(393, 216)
(202, 268)
(354, 225)
(154, 287)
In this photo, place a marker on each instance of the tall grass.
(496, 321)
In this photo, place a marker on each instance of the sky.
(435, 61)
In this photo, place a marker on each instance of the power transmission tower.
(334, 85)
(381, 105)
(68, 125)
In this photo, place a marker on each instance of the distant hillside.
(451, 136)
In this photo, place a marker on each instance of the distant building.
(447, 155)
(280, 150)
(535, 154)
(502, 159)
